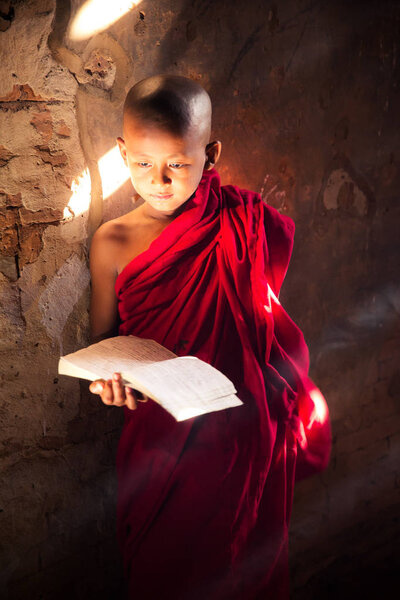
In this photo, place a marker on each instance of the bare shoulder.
(110, 239)
(116, 230)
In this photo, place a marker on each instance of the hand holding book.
(185, 386)
(114, 393)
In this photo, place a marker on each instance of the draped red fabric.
(204, 504)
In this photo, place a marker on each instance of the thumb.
(96, 387)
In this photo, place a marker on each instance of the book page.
(115, 354)
(186, 376)
(185, 386)
(187, 412)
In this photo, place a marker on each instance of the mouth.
(161, 196)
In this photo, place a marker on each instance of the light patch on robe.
(271, 296)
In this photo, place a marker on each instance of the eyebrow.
(180, 154)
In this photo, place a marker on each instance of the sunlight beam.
(113, 173)
(96, 15)
(79, 201)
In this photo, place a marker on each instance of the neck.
(164, 217)
(151, 213)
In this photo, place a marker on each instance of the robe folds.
(204, 504)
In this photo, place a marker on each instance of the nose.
(160, 176)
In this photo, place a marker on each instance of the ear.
(213, 152)
(122, 149)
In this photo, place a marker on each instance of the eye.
(177, 165)
(144, 165)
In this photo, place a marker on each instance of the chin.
(163, 206)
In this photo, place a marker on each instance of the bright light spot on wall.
(113, 171)
(96, 15)
(79, 202)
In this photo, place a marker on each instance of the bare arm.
(103, 301)
(104, 313)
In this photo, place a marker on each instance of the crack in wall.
(16, 256)
(17, 105)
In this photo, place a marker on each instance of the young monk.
(204, 504)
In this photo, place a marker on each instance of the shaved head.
(170, 102)
(166, 147)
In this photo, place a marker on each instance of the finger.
(107, 395)
(118, 390)
(96, 387)
(130, 398)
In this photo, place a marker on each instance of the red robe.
(204, 504)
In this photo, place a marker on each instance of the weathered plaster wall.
(306, 103)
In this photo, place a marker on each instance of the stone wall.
(306, 103)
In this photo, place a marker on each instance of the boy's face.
(165, 169)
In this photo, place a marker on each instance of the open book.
(185, 386)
